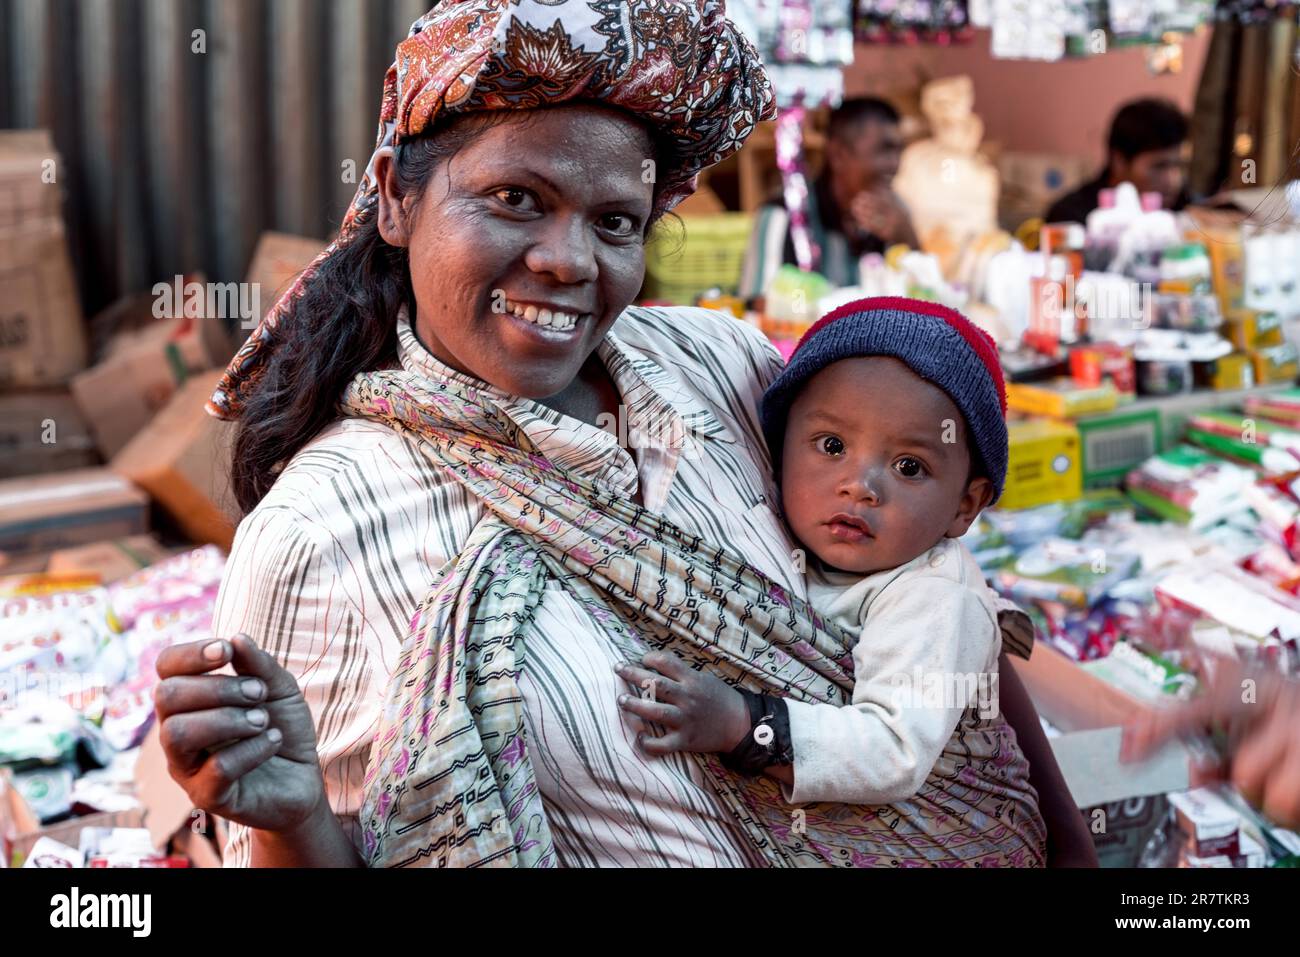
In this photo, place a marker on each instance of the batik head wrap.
(680, 65)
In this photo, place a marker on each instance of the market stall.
(1150, 523)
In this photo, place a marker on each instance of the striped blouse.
(326, 572)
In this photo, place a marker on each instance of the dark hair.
(1146, 125)
(849, 117)
(353, 299)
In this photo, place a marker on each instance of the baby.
(888, 434)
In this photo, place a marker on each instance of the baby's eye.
(832, 445)
(909, 467)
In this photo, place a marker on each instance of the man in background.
(853, 209)
(1148, 148)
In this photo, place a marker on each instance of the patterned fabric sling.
(450, 781)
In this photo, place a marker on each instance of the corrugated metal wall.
(176, 158)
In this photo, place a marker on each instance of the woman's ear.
(978, 494)
(394, 214)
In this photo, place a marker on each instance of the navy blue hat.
(937, 343)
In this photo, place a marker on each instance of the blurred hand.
(1261, 717)
(881, 213)
(242, 746)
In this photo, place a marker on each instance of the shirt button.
(936, 561)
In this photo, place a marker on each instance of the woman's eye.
(832, 445)
(516, 198)
(909, 467)
(618, 223)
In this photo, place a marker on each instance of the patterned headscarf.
(678, 64)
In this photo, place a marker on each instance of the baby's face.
(875, 466)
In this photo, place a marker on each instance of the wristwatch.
(768, 742)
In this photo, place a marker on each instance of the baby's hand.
(702, 713)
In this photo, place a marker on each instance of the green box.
(1113, 443)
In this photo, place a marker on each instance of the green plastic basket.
(699, 253)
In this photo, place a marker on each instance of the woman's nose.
(565, 250)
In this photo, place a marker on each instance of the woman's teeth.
(553, 319)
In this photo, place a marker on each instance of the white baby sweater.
(928, 648)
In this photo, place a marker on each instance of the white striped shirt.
(327, 571)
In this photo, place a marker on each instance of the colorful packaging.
(1280, 407)
(1189, 485)
(1061, 398)
(1211, 826)
(1043, 464)
(1248, 330)
(1276, 364)
(1099, 362)
(1064, 571)
(1232, 372)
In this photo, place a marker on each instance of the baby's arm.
(922, 634)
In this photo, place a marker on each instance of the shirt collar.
(650, 393)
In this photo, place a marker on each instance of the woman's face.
(527, 244)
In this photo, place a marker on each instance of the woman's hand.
(702, 713)
(1260, 715)
(242, 746)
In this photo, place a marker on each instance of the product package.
(1190, 485)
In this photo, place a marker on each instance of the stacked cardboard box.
(42, 339)
(69, 508)
(141, 371)
(182, 459)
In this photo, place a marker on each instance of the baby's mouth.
(849, 528)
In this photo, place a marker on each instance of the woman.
(420, 412)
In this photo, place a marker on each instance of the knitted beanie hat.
(937, 343)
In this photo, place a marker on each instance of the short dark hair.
(1146, 125)
(851, 115)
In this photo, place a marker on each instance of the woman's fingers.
(1282, 789)
(656, 711)
(192, 658)
(202, 692)
(1259, 756)
(1154, 726)
(213, 780)
(251, 660)
(187, 737)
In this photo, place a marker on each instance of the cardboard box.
(42, 336)
(69, 508)
(1043, 464)
(109, 561)
(1114, 443)
(1121, 829)
(182, 459)
(42, 432)
(25, 195)
(277, 261)
(141, 372)
(42, 341)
